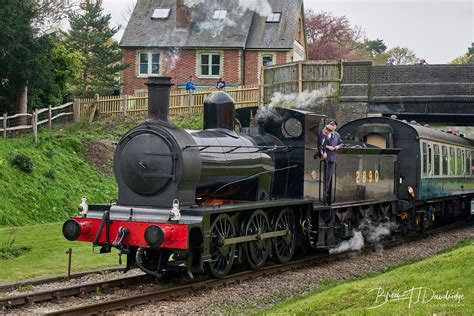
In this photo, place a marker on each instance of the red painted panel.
(176, 235)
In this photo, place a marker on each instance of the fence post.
(5, 119)
(76, 109)
(125, 104)
(190, 101)
(34, 123)
(50, 116)
(94, 108)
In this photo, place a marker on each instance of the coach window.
(468, 163)
(458, 162)
(437, 161)
(425, 158)
(472, 162)
(444, 151)
(452, 161)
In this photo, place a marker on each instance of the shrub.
(23, 162)
(8, 250)
(50, 174)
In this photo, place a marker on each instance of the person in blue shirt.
(190, 85)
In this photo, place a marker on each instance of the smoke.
(353, 244)
(216, 26)
(261, 7)
(365, 232)
(376, 233)
(170, 58)
(301, 100)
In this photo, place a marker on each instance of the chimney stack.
(158, 98)
(183, 15)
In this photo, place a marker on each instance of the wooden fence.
(31, 121)
(301, 76)
(181, 102)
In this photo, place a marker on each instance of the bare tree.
(127, 13)
(48, 14)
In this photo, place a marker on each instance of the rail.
(194, 286)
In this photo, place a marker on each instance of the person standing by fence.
(190, 88)
(220, 85)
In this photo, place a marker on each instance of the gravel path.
(264, 292)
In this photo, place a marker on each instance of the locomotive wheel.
(222, 257)
(284, 246)
(257, 251)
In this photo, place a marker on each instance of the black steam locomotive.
(245, 190)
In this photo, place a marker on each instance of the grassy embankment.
(51, 193)
(451, 271)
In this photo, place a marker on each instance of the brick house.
(209, 39)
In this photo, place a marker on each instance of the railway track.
(11, 286)
(192, 287)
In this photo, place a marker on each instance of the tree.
(91, 36)
(25, 66)
(373, 47)
(467, 58)
(330, 37)
(402, 56)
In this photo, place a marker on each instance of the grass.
(451, 271)
(61, 175)
(36, 203)
(47, 253)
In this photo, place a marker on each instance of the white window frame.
(161, 13)
(210, 54)
(150, 64)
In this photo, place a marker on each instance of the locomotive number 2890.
(364, 176)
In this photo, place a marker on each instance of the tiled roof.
(240, 29)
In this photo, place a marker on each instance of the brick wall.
(185, 64)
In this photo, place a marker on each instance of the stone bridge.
(425, 93)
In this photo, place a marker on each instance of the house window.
(161, 13)
(445, 160)
(274, 17)
(219, 14)
(267, 60)
(210, 64)
(149, 64)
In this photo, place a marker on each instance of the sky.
(437, 31)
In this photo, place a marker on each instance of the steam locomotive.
(246, 190)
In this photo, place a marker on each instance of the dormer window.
(161, 13)
(274, 17)
(219, 14)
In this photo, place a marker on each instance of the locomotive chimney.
(158, 98)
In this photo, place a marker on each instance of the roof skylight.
(219, 14)
(274, 17)
(161, 13)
